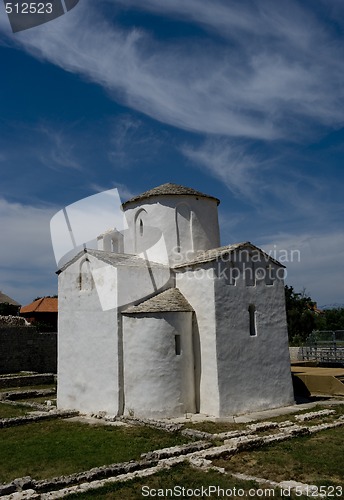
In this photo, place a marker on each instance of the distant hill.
(336, 305)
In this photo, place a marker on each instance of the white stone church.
(161, 320)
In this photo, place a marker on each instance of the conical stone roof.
(169, 189)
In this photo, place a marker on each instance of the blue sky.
(242, 100)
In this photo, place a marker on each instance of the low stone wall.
(13, 321)
(27, 380)
(44, 415)
(24, 349)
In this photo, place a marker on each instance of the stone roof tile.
(114, 259)
(171, 300)
(169, 189)
(217, 253)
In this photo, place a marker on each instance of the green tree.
(301, 317)
(331, 319)
(7, 309)
(46, 296)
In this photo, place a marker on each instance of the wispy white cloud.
(269, 182)
(281, 54)
(125, 193)
(131, 141)
(278, 68)
(261, 70)
(228, 162)
(40, 143)
(27, 259)
(25, 234)
(58, 151)
(228, 19)
(44, 158)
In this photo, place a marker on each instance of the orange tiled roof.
(45, 304)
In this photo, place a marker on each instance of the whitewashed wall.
(90, 350)
(139, 282)
(157, 381)
(200, 232)
(254, 371)
(87, 347)
(239, 372)
(197, 286)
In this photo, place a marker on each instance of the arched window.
(140, 222)
(86, 280)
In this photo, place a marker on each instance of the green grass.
(315, 460)
(9, 411)
(53, 448)
(40, 400)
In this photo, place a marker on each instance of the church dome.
(184, 221)
(169, 189)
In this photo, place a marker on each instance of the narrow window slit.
(252, 314)
(177, 345)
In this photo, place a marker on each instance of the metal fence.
(324, 347)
